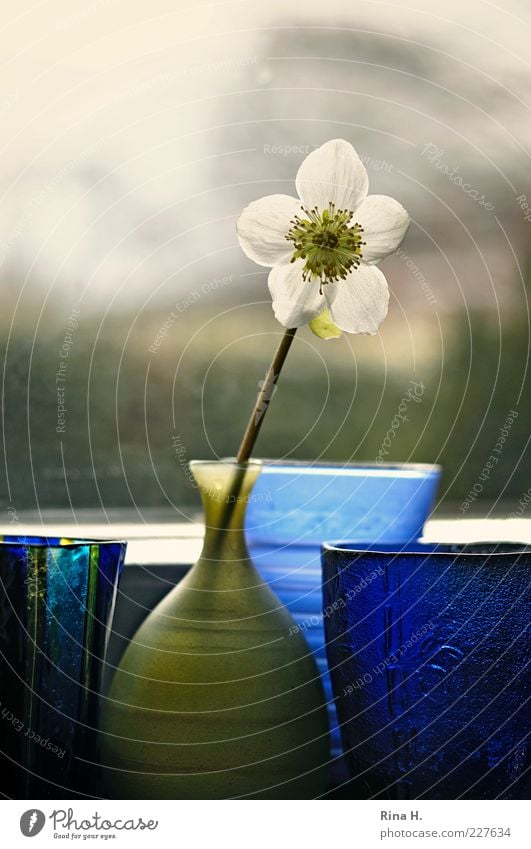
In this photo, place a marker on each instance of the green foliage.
(135, 418)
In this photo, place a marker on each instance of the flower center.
(327, 242)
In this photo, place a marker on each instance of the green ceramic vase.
(218, 695)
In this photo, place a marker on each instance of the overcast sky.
(67, 60)
(116, 104)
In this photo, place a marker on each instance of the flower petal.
(332, 173)
(262, 228)
(385, 223)
(359, 303)
(295, 301)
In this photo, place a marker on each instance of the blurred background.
(133, 330)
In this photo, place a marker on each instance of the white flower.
(323, 247)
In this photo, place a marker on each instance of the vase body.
(297, 506)
(56, 603)
(218, 695)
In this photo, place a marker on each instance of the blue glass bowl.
(295, 507)
(428, 652)
(56, 602)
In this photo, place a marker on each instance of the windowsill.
(177, 543)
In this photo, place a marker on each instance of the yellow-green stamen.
(328, 242)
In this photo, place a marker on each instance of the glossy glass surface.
(218, 695)
(428, 651)
(56, 603)
(295, 507)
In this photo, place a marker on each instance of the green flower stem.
(264, 398)
(255, 423)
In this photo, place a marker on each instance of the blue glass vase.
(56, 603)
(428, 649)
(296, 506)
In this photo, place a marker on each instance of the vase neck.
(225, 489)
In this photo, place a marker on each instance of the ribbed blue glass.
(295, 507)
(428, 649)
(56, 602)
